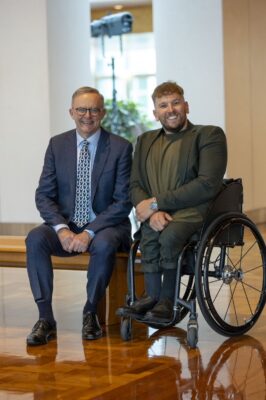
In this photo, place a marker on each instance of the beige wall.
(245, 98)
(44, 57)
(189, 50)
(24, 106)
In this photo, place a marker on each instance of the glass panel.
(134, 68)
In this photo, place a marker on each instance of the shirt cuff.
(91, 233)
(60, 226)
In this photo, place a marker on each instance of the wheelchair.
(222, 268)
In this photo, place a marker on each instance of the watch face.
(154, 206)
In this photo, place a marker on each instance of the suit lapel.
(100, 160)
(146, 149)
(185, 151)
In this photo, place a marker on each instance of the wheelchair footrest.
(157, 324)
(125, 312)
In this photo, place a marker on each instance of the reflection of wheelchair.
(235, 370)
(222, 266)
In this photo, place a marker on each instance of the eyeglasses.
(93, 111)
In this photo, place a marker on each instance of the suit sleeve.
(46, 196)
(212, 160)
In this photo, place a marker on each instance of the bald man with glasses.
(83, 199)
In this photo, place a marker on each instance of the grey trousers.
(160, 250)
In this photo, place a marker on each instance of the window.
(134, 68)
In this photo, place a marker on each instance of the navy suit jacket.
(55, 195)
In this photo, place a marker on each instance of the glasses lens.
(82, 111)
(95, 111)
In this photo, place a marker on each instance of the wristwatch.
(154, 204)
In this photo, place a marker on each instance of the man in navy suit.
(106, 227)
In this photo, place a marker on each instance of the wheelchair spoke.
(217, 294)
(251, 287)
(234, 305)
(247, 298)
(254, 268)
(246, 253)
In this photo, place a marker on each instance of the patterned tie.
(83, 198)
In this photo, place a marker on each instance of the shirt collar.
(92, 139)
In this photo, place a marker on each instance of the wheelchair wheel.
(192, 334)
(230, 274)
(126, 329)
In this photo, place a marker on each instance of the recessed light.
(118, 7)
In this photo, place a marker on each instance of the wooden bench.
(13, 254)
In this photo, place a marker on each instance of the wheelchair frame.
(221, 254)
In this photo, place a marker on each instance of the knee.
(103, 247)
(36, 237)
(168, 240)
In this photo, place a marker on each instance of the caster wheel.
(192, 336)
(126, 329)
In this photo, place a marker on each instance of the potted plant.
(125, 119)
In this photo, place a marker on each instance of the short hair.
(166, 88)
(86, 89)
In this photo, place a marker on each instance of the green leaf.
(125, 120)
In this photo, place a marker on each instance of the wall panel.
(245, 84)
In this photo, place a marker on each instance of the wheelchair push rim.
(230, 274)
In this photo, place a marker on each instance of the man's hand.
(65, 236)
(143, 210)
(80, 242)
(160, 220)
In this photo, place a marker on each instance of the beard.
(181, 123)
(175, 129)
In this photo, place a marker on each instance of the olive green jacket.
(202, 163)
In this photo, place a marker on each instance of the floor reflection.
(153, 365)
(159, 366)
(236, 370)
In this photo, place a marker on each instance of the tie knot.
(85, 143)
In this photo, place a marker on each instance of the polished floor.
(153, 365)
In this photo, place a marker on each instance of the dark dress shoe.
(142, 305)
(91, 328)
(41, 333)
(161, 312)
